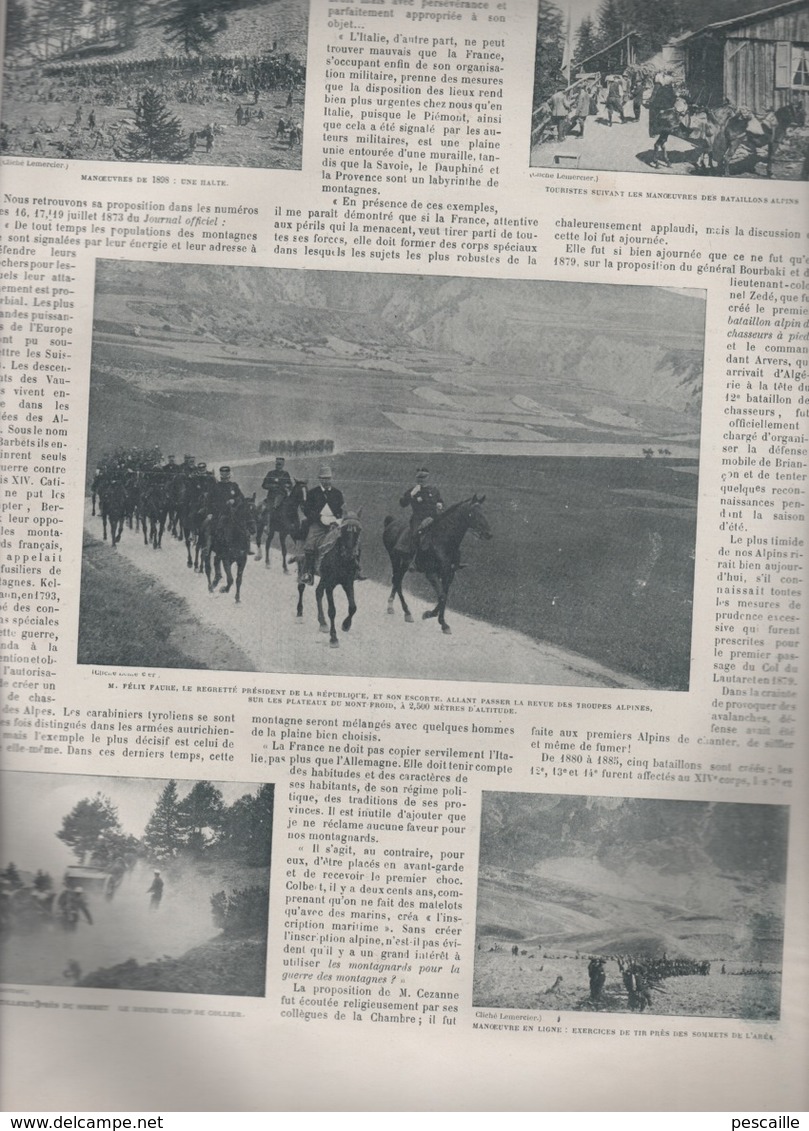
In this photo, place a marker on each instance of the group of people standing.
(569, 107)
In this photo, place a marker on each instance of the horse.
(746, 131)
(338, 566)
(178, 489)
(114, 500)
(437, 554)
(153, 509)
(195, 509)
(280, 513)
(719, 133)
(231, 536)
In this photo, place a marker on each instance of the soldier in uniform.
(277, 481)
(597, 976)
(170, 467)
(426, 504)
(225, 493)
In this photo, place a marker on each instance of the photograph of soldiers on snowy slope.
(630, 904)
(199, 82)
(135, 883)
(391, 475)
(695, 87)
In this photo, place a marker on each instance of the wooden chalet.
(759, 61)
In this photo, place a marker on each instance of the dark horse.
(720, 134)
(280, 513)
(338, 566)
(437, 554)
(113, 498)
(153, 509)
(229, 540)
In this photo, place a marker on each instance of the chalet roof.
(752, 17)
(615, 43)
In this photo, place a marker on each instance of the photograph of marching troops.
(687, 86)
(630, 905)
(220, 82)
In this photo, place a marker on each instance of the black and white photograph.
(130, 883)
(390, 475)
(690, 87)
(630, 905)
(191, 82)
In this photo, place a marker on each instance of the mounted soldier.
(426, 504)
(225, 493)
(277, 482)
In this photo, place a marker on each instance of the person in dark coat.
(225, 492)
(425, 504)
(155, 891)
(277, 482)
(662, 116)
(597, 976)
(615, 99)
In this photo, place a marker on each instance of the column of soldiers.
(641, 976)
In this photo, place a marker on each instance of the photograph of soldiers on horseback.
(409, 477)
(722, 96)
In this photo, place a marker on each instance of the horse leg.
(333, 641)
(217, 571)
(399, 569)
(267, 546)
(321, 620)
(187, 540)
(770, 155)
(228, 575)
(208, 572)
(442, 601)
(240, 564)
(433, 580)
(348, 588)
(440, 584)
(299, 610)
(104, 523)
(282, 538)
(142, 522)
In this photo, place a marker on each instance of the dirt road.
(264, 627)
(627, 147)
(622, 147)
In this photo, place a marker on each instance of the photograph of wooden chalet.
(686, 92)
(759, 61)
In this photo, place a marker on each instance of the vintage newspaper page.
(404, 490)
